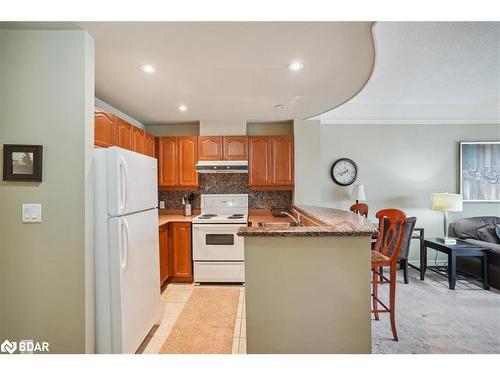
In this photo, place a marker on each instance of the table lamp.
(358, 193)
(447, 202)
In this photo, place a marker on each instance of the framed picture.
(480, 171)
(22, 163)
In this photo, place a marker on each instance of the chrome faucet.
(297, 223)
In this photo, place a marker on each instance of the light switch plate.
(162, 205)
(32, 213)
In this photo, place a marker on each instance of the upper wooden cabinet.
(188, 157)
(138, 140)
(123, 134)
(282, 160)
(259, 161)
(104, 128)
(209, 148)
(168, 161)
(235, 148)
(177, 157)
(150, 145)
(270, 161)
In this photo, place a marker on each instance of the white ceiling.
(429, 72)
(231, 70)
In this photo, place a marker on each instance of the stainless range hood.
(222, 166)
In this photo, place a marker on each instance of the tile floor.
(173, 300)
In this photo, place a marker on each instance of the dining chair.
(386, 254)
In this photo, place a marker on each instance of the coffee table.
(461, 249)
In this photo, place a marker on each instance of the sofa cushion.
(497, 230)
(487, 233)
(467, 228)
(494, 248)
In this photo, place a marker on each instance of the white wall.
(399, 165)
(46, 98)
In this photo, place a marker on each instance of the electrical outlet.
(162, 205)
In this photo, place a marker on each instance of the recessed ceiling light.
(295, 66)
(182, 108)
(146, 68)
(280, 107)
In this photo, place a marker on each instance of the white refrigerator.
(126, 258)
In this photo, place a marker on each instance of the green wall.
(46, 98)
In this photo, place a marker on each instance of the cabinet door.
(104, 128)
(150, 145)
(182, 258)
(259, 160)
(209, 148)
(282, 160)
(138, 140)
(188, 156)
(164, 261)
(168, 163)
(235, 148)
(123, 134)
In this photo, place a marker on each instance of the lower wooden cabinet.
(165, 264)
(182, 258)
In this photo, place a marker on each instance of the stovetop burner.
(207, 216)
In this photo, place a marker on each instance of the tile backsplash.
(229, 183)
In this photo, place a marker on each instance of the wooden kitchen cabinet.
(182, 260)
(188, 157)
(168, 162)
(104, 128)
(259, 161)
(138, 140)
(165, 262)
(235, 148)
(150, 145)
(210, 148)
(270, 161)
(123, 134)
(282, 160)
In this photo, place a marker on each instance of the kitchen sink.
(276, 224)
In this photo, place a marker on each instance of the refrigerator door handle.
(125, 243)
(123, 183)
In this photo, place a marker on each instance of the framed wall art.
(22, 163)
(480, 171)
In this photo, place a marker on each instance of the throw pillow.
(497, 230)
(487, 233)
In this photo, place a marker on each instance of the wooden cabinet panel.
(168, 162)
(259, 160)
(104, 128)
(138, 140)
(150, 145)
(181, 254)
(209, 148)
(188, 156)
(235, 148)
(123, 134)
(164, 256)
(282, 160)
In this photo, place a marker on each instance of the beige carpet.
(206, 324)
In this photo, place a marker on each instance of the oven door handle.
(217, 228)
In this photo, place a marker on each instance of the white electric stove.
(218, 253)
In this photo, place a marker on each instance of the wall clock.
(344, 172)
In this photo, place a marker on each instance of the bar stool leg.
(375, 294)
(392, 301)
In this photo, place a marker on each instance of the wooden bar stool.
(386, 253)
(360, 209)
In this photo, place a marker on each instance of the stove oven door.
(213, 242)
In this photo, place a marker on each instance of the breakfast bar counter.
(307, 287)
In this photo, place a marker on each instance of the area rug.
(206, 324)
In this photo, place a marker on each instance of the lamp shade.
(447, 202)
(358, 193)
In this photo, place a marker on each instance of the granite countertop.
(166, 217)
(332, 222)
